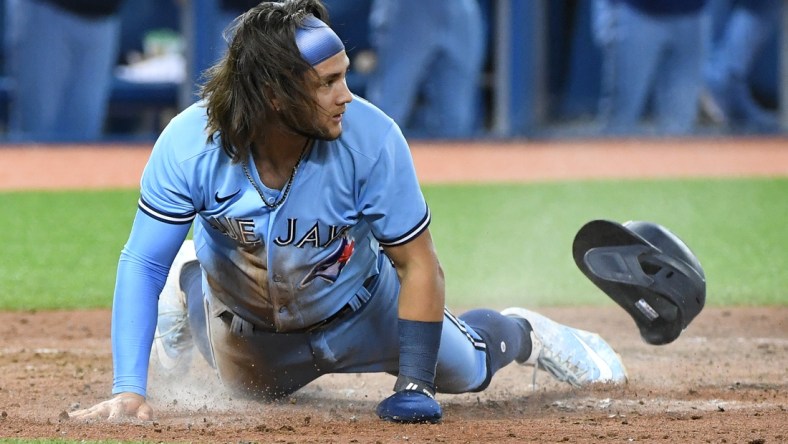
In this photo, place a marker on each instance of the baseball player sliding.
(311, 251)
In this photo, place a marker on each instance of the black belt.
(227, 315)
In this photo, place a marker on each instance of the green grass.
(512, 244)
(60, 249)
(499, 244)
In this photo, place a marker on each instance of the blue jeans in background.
(654, 60)
(61, 65)
(430, 57)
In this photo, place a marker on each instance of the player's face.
(332, 95)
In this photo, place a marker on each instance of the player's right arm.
(165, 214)
(142, 272)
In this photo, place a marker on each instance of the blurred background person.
(653, 56)
(429, 60)
(743, 29)
(60, 55)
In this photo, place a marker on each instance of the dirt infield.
(725, 380)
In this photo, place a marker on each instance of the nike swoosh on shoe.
(605, 372)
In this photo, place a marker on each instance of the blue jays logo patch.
(330, 268)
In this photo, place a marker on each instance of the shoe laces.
(563, 368)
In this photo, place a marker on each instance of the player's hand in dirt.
(124, 405)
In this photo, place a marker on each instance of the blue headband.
(316, 41)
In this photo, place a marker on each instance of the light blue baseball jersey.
(288, 267)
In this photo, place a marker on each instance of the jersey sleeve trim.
(411, 234)
(165, 217)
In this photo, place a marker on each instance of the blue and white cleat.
(173, 344)
(569, 354)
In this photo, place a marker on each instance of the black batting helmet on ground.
(647, 270)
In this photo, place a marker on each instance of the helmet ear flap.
(653, 276)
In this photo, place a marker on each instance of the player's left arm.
(419, 326)
(392, 202)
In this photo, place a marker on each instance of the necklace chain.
(289, 184)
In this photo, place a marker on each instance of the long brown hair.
(262, 63)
